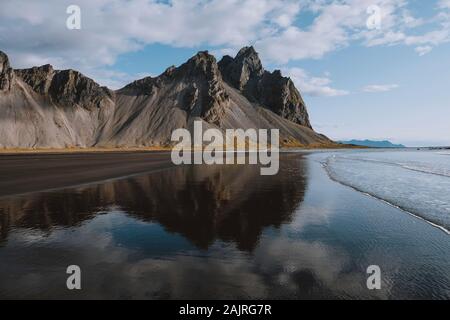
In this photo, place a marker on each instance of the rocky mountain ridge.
(246, 73)
(45, 108)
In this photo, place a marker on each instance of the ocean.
(417, 181)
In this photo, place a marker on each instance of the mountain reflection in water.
(203, 203)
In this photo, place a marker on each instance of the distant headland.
(373, 144)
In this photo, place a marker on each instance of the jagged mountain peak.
(202, 64)
(203, 56)
(240, 71)
(249, 58)
(68, 87)
(247, 51)
(269, 89)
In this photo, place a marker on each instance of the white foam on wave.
(440, 169)
(429, 170)
(399, 208)
(423, 197)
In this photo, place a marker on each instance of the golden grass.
(285, 145)
(296, 144)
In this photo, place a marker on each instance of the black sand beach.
(22, 173)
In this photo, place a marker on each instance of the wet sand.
(23, 173)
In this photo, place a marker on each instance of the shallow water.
(218, 232)
(416, 181)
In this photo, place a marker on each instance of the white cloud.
(336, 25)
(388, 38)
(110, 28)
(444, 4)
(423, 50)
(33, 32)
(409, 21)
(380, 87)
(401, 31)
(313, 86)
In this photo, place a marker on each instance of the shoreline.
(17, 151)
(418, 216)
(412, 214)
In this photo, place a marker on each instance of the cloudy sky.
(376, 69)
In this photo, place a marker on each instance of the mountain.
(42, 107)
(373, 144)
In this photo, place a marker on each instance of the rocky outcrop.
(207, 96)
(6, 73)
(281, 96)
(43, 107)
(271, 90)
(66, 87)
(243, 71)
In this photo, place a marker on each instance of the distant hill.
(374, 144)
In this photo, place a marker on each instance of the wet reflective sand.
(218, 232)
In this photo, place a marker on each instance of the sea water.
(417, 181)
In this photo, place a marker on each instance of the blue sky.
(388, 82)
